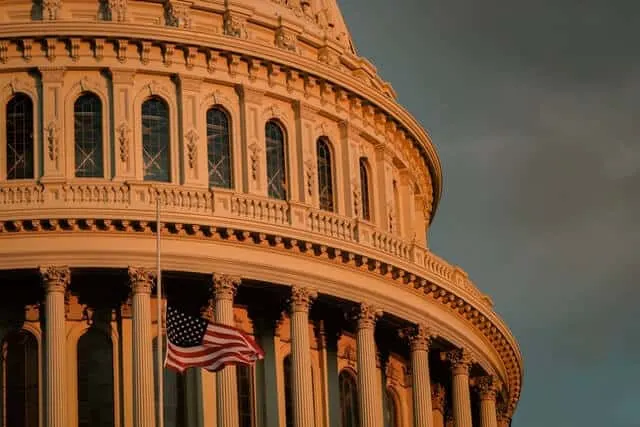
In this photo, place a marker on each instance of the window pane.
(155, 140)
(391, 409)
(88, 136)
(21, 392)
(349, 400)
(276, 172)
(244, 376)
(20, 137)
(364, 188)
(218, 148)
(325, 178)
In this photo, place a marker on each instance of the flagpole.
(160, 361)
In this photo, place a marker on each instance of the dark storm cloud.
(535, 110)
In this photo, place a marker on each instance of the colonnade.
(428, 403)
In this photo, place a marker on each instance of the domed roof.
(318, 15)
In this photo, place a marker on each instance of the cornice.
(245, 48)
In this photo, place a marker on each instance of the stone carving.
(55, 278)
(141, 280)
(27, 46)
(168, 49)
(419, 337)
(349, 354)
(99, 49)
(357, 197)
(75, 49)
(234, 26)
(460, 361)
(192, 147)
(4, 50)
(178, 13)
(286, 39)
(123, 44)
(438, 396)
(50, 9)
(52, 133)
(254, 157)
(487, 387)
(50, 46)
(118, 10)
(310, 175)
(225, 286)
(301, 298)
(123, 141)
(367, 315)
(191, 54)
(145, 52)
(328, 56)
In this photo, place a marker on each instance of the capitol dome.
(295, 197)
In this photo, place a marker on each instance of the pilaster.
(307, 178)
(53, 153)
(384, 188)
(253, 141)
(122, 81)
(193, 141)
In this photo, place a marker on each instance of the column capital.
(301, 298)
(141, 280)
(55, 278)
(460, 361)
(487, 387)
(225, 286)
(438, 396)
(419, 337)
(367, 315)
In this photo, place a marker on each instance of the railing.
(15, 198)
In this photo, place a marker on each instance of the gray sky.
(531, 106)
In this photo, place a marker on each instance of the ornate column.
(55, 281)
(438, 395)
(460, 365)
(225, 287)
(368, 384)
(487, 387)
(301, 378)
(141, 282)
(420, 338)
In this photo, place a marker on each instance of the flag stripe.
(195, 342)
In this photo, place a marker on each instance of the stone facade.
(295, 195)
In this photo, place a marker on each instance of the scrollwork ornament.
(192, 147)
(118, 10)
(367, 315)
(225, 286)
(487, 387)
(52, 132)
(141, 280)
(460, 361)
(234, 26)
(178, 13)
(55, 278)
(50, 9)
(301, 298)
(123, 141)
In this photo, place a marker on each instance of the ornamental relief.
(52, 132)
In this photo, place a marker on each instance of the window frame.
(171, 160)
(328, 166)
(33, 142)
(101, 132)
(229, 143)
(366, 199)
(285, 158)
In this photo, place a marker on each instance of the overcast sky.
(531, 105)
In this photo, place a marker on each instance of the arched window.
(21, 380)
(364, 189)
(276, 161)
(391, 412)
(244, 375)
(155, 140)
(349, 400)
(87, 115)
(174, 388)
(325, 174)
(19, 122)
(218, 148)
(95, 379)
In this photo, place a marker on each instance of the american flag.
(196, 342)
